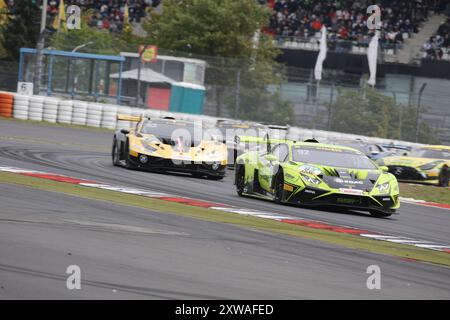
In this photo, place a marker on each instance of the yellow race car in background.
(169, 145)
(429, 164)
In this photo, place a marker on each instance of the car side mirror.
(270, 157)
(125, 131)
(384, 169)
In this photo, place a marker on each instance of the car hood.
(361, 179)
(350, 178)
(204, 150)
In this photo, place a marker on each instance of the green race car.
(309, 173)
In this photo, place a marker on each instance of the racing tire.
(115, 153)
(444, 177)
(128, 163)
(279, 187)
(380, 214)
(240, 180)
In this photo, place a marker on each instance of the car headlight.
(429, 166)
(215, 166)
(383, 187)
(311, 179)
(310, 169)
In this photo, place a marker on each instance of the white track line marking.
(241, 211)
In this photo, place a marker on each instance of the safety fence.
(335, 45)
(99, 115)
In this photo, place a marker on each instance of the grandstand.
(296, 24)
(103, 14)
(438, 45)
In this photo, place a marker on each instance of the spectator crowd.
(102, 14)
(346, 19)
(109, 14)
(440, 42)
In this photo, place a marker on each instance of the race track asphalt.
(131, 253)
(188, 258)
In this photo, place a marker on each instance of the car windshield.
(331, 157)
(166, 129)
(171, 131)
(430, 153)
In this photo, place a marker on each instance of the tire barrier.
(21, 106)
(65, 108)
(6, 105)
(94, 115)
(40, 108)
(79, 113)
(109, 117)
(137, 112)
(36, 108)
(50, 113)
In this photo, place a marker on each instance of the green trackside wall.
(187, 100)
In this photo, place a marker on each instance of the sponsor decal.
(347, 201)
(351, 191)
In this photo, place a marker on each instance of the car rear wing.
(258, 140)
(126, 117)
(250, 142)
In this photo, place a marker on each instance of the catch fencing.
(98, 115)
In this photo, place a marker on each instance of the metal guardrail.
(342, 46)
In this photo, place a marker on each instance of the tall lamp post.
(138, 86)
(419, 101)
(40, 49)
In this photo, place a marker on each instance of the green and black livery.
(310, 173)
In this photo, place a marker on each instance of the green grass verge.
(425, 192)
(345, 240)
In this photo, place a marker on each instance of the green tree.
(370, 113)
(99, 41)
(21, 29)
(426, 133)
(221, 32)
(221, 28)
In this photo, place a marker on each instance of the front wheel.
(279, 187)
(115, 153)
(240, 180)
(444, 177)
(128, 163)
